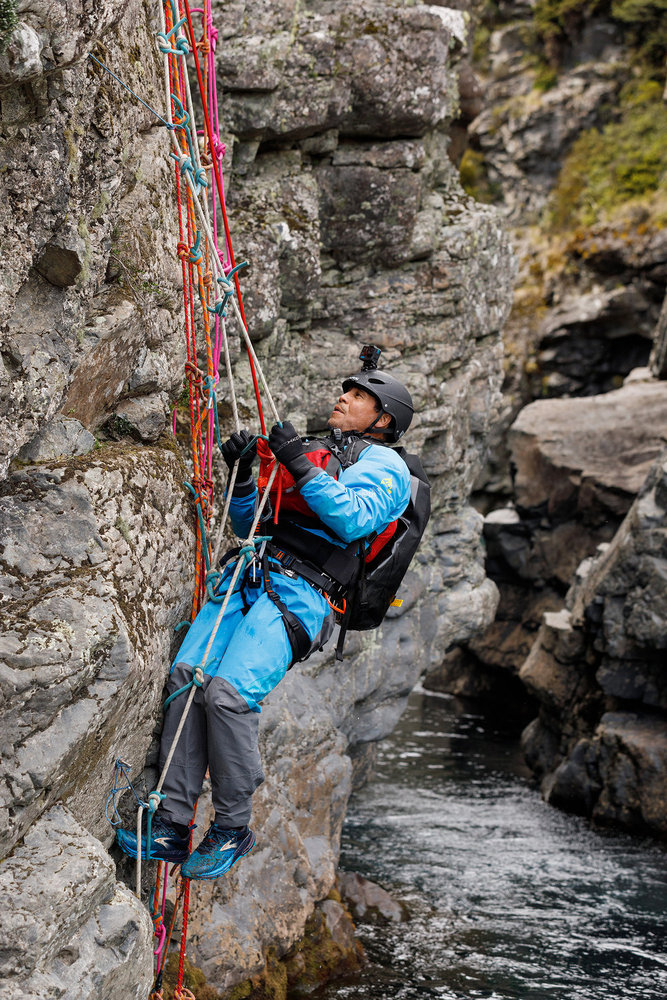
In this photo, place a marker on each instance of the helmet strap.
(372, 425)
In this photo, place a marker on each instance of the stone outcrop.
(578, 465)
(342, 196)
(597, 668)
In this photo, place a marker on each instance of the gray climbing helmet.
(391, 394)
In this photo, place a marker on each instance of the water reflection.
(508, 897)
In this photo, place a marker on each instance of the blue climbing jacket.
(366, 497)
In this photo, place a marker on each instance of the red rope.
(216, 168)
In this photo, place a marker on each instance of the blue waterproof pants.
(250, 655)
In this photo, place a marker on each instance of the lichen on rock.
(342, 195)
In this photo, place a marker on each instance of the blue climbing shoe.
(218, 851)
(166, 843)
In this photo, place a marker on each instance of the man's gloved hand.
(231, 451)
(286, 445)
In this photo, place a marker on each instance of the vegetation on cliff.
(623, 163)
(8, 21)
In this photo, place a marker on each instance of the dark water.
(508, 897)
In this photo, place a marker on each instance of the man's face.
(355, 410)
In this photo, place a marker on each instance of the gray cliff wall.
(342, 196)
(570, 92)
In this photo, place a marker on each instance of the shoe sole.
(209, 876)
(131, 852)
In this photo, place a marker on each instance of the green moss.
(193, 979)
(644, 22)
(624, 162)
(475, 178)
(8, 20)
(546, 78)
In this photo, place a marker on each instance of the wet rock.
(367, 900)
(632, 761)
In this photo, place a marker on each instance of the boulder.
(369, 901)
(578, 465)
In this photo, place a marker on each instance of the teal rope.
(202, 526)
(152, 806)
(118, 79)
(186, 687)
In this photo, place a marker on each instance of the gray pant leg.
(233, 753)
(185, 776)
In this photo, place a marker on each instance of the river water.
(507, 896)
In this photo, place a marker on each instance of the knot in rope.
(247, 551)
(211, 581)
(184, 994)
(219, 148)
(194, 253)
(198, 677)
(204, 46)
(207, 281)
(195, 374)
(184, 163)
(154, 800)
(166, 44)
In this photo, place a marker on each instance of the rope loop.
(184, 994)
(247, 552)
(122, 768)
(154, 800)
(191, 370)
(213, 578)
(166, 44)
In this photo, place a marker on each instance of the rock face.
(343, 198)
(578, 464)
(597, 668)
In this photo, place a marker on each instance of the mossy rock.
(8, 21)
(475, 179)
(625, 162)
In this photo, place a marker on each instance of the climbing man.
(339, 494)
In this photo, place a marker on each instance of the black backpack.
(371, 577)
(380, 577)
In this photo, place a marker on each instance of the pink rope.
(217, 198)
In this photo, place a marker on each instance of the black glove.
(231, 451)
(286, 445)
